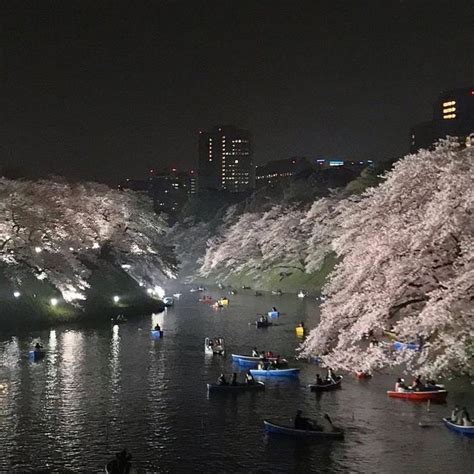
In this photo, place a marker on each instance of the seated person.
(400, 385)
(233, 381)
(302, 423)
(331, 376)
(249, 378)
(455, 415)
(38, 346)
(261, 365)
(221, 380)
(157, 327)
(319, 380)
(417, 385)
(465, 418)
(254, 352)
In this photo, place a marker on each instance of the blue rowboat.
(275, 428)
(273, 314)
(36, 355)
(275, 372)
(156, 334)
(240, 387)
(465, 430)
(401, 346)
(250, 361)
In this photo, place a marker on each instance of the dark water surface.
(102, 388)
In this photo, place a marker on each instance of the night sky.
(105, 90)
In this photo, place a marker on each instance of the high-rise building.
(225, 160)
(453, 116)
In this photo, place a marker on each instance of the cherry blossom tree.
(406, 250)
(56, 229)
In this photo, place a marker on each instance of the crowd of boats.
(265, 364)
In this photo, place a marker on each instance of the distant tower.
(453, 115)
(225, 160)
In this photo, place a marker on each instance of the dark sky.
(106, 89)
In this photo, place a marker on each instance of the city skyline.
(94, 92)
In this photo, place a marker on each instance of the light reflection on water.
(102, 388)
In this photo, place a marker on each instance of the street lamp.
(16, 294)
(116, 299)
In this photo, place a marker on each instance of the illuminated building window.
(449, 109)
(449, 116)
(449, 103)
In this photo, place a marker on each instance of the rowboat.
(273, 314)
(262, 324)
(275, 428)
(436, 395)
(156, 334)
(36, 355)
(299, 331)
(401, 346)
(465, 430)
(326, 387)
(206, 299)
(223, 302)
(217, 346)
(240, 387)
(275, 372)
(168, 301)
(250, 361)
(360, 374)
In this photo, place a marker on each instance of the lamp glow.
(53, 301)
(38, 249)
(116, 299)
(16, 294)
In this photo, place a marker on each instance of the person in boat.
(263, 356)
(319, 380)
(255, 352)
(261, 365)
(38, 347)
(301, 325)
(465, 419)
(272, 365)
(121, 463)
(331, 376)
(303, 423)
(233, 380)
(400, 385)
(417, 385)
(455, 415)
(211, 343)
(222, 380)
(157, 327)
(249, 378)
(274, 309)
